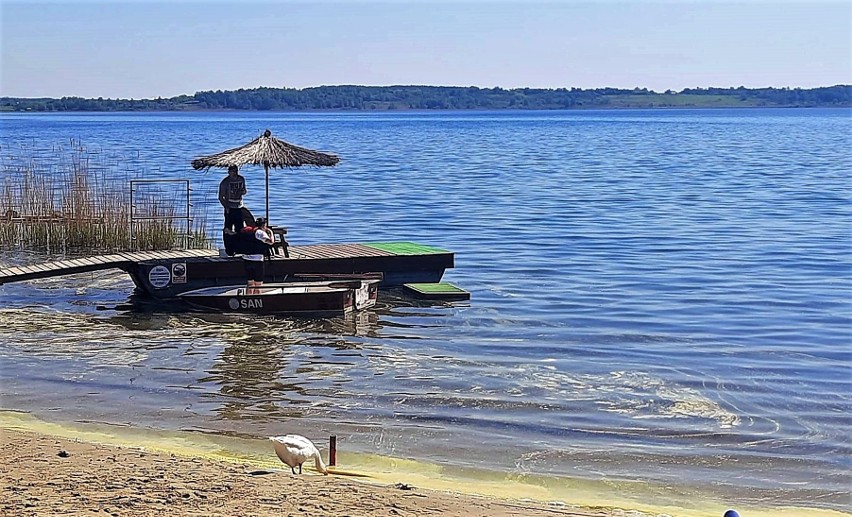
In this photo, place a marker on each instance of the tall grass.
(75, 201)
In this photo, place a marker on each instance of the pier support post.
(332, 450)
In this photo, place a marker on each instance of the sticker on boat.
(246, 303)
(159, 276)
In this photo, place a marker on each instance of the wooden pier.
(165, 274)
(123, 261)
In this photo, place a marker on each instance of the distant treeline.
(448, 98)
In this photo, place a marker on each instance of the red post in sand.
(332, 450)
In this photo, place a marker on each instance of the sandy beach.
(49, 469)
(45, 475)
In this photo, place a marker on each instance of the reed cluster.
(72, 200)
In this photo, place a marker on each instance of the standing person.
(258, 250)
(231, 192)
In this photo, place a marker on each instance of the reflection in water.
(267, 369)
(250, 374)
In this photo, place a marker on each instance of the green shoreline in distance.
(438, 98)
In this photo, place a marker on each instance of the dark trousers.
(234, 219)
(254, 269)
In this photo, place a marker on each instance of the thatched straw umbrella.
(268, 151)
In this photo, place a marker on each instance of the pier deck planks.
(88, 264)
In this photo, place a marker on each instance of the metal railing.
(152, 213)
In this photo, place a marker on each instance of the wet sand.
(46, 475)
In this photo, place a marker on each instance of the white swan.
(294, 450)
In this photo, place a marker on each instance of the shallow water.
(657, 295)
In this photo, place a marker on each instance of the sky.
(147, 49)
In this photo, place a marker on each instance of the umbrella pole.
(266, 166)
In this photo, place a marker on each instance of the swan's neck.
(319, 464)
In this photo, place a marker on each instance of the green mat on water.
(441, 287)
(437, 291)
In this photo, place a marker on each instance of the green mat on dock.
(405, 248)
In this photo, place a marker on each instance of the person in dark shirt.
(231, 192)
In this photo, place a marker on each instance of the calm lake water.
(656, 295)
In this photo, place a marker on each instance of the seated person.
(257, 240)
(232, 238)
